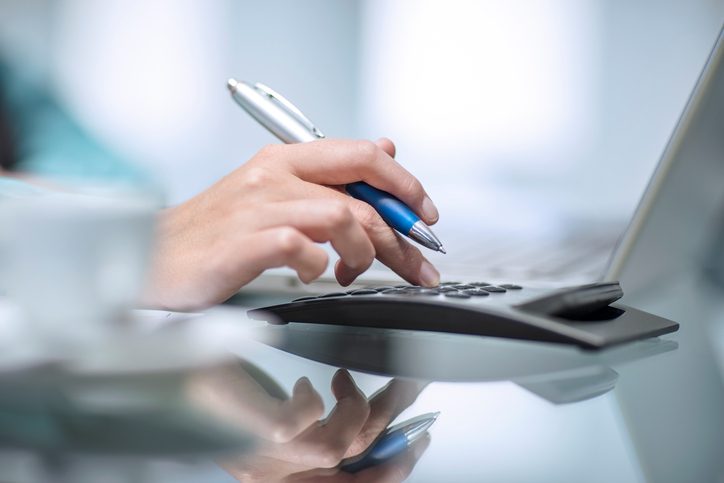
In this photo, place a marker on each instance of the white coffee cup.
(74, 263)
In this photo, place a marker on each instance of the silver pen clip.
(289, 107)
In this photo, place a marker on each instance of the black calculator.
(584, 315)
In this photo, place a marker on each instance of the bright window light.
(504, 78)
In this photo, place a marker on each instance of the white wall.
(149, 78)
(512, 109)
(517, 111)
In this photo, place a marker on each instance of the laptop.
(684, 188)
(680, 216)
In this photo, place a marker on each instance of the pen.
(290, 125)
(392, 442)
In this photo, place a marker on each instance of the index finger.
(338, 162)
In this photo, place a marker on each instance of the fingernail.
(345, 275)
(429, 210)
(429, 276)
(342, 384)
(342, 372)
(302, 384)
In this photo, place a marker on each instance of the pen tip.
(231, 84)
(442, 250)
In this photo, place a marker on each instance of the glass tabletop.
(523, 411)
(509, 410)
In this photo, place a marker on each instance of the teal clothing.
(49, 143)
(12, 188)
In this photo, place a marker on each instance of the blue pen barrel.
(392, 210)
(387, 447)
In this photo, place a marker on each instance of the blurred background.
(525, 114)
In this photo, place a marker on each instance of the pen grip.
(387, 447)
(391, 209)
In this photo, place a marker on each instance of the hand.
(273, 211)
(244, 396)
(314, 453)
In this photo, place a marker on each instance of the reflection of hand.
(298, 446)
(271, 211)
(259, 468)
(244, 396)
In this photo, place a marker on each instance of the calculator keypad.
(456, 290)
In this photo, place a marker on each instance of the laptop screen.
(681, 213)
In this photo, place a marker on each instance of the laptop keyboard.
(582, 259)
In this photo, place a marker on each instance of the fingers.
(385, 405)
(324, 445)
(395, 470)
(396, 396)
(283, 421)
(261, 468)
(321, 220)
(391, 249)
(398, 468)
(195, 268)
(232, 393)
(336, 162)
(314, 455)
(276, 247)
(336, 434)
(297, 413)
(353, 424)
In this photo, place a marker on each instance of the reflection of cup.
(74, 263)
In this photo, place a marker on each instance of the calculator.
(583, 315)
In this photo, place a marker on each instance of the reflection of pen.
(391, 443)
(288, 123)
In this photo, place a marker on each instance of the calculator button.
(447, 289)
(308, 297)
(462, 286)
(511, 286)
(425, 291)
(493, 289)
(392, 291)
(457, 295)
(480, 284)
(476, 291)
(383, 288)
(363, 291)
(333, 294)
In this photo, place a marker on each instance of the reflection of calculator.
(581, 315)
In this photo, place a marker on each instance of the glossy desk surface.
(518, 411)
